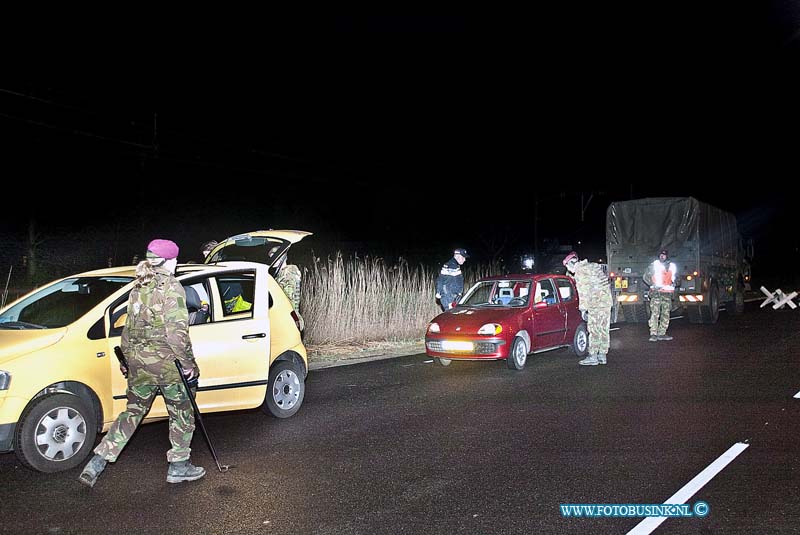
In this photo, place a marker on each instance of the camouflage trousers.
(660, 306)
(599, 325)
(140, 399)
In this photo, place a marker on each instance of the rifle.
(199, 418)
(123, 362)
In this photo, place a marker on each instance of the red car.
(509, 317)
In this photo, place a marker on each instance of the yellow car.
(60, 383)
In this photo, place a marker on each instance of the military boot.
(591, 360)
(601, 359)
(664, 337)
(184, 471)
(92, 471)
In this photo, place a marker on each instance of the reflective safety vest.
(664, 277)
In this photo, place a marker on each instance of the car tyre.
(518, 356)
(442, 362)
(285, 390)
(580, 342)
(55, 433)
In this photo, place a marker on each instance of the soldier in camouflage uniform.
(661, 276)
(289, 280)
(594, 295)
(156, 333)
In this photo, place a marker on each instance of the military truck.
(703, 241)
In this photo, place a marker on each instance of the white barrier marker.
(650, 523)
(797, 396)
(786, 300)
(770, 296)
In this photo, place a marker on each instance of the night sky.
(406, 135)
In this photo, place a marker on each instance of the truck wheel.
(736, 307)
(708, 314)
(713, 305)
(285, 390)
(56, 433)
(518, 356)
(580, 342)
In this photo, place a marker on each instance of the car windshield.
(498, 293)
(61, 303)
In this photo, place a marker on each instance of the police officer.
(450, 282)
(661, 276)
(594, 295)
(156, 333)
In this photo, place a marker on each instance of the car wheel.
(442, 362)
(285, 390)
(518, 355)
(580, 342)
(56, 433)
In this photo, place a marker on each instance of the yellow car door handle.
(257, 335)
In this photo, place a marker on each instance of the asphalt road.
(405, 446)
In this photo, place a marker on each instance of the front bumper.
(470, 349)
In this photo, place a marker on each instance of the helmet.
(570, 256)
(462, 252)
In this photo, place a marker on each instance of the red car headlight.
(491, 329)
(433, 328)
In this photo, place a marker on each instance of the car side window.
(198, 302)
(238, 293)
(545, 292)
(565, 290)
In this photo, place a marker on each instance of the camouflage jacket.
(289, 280)
(157, 332)
(593, 288)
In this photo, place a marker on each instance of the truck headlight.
(5, 380)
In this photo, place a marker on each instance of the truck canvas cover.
(673, 223)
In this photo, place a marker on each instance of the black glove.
(192, 376)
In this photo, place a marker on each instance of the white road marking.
(797, 396)
(427, 361)
(652, 522)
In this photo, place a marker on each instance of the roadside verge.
(328, 356)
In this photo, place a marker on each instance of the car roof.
(181, 269)
(523, 276)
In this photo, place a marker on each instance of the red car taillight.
(297, 321)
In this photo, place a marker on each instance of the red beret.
(569, 257)
(165, 249)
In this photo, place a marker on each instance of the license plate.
(449, 345)
(621, 283)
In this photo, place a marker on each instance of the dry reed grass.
(361, 301)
